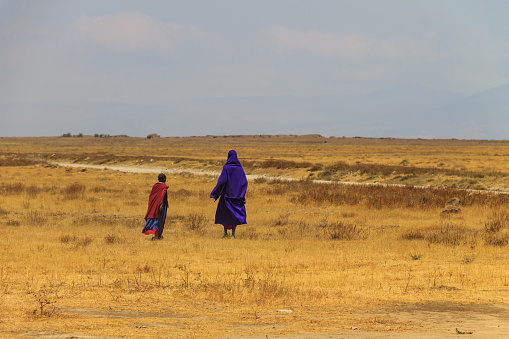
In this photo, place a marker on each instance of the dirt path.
(140, 169)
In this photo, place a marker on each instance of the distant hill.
(400, 112)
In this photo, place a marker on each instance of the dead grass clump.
(15, 188)
(196, 221)
(340, 230)
(260, 180)
(14, 161)
(282, 219)
(74, 191)
(134, 222)
(14, 223)
(445, 233)
(496, 239)
(276, 163)
(3, 211)
(83, 242)
(498, 221)
(67, 238)
(401, 170)
(98, 189)
(380, 196)
(144, 269)
(35, 218)
(250, 233)
(112, 239)
(315, 167)
(308, 192)
(78, 242)
(179, 194)
(494, 227)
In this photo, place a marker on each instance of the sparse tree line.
(69, 135)
(80, 135)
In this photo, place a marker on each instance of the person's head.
(232, 153)
(161, 177)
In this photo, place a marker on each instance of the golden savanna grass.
(74, 261)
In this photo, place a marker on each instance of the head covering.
(232, 159)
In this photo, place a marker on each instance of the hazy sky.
(162, 52)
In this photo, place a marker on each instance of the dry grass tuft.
(196, 221)
(15, 162)
(35, 218)
(498, 221)
(74, 191)
(112, 239)
(445, 233)
(340, 230)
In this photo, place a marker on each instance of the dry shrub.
(3, 211)
(493, 227)
(498, 221)
(74, 191)
(196, 221)
(445, 233)
(340, 230)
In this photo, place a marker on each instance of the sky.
(163, 52)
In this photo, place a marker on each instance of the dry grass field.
(317, 258)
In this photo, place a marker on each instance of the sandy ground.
(430, 320)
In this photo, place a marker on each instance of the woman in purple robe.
(231, 190)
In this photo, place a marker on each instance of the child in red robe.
(157, 206)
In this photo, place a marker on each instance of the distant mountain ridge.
(400, 112)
